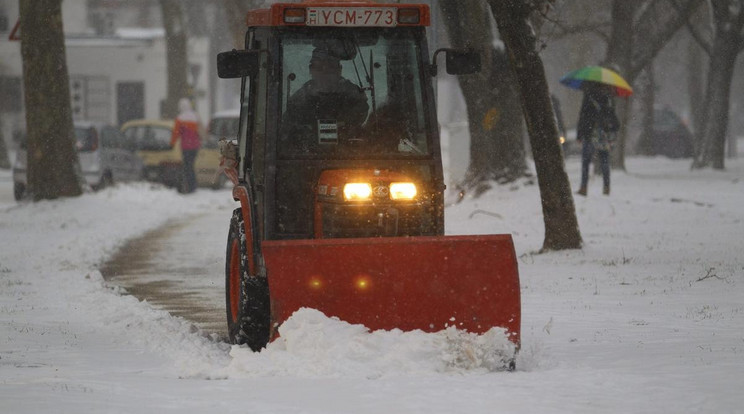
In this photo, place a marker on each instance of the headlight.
(357, 191)
(402, 191)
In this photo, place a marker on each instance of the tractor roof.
(340, 13)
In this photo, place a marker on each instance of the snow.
(647, 317)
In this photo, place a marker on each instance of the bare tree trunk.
(656, 25)
(645, 82)
(618, 58)
(559, 214)
(620, 46)
(492, 100)
(640, 29)
(695, 87)
(236, 11)
(52, 159)
(176, 56)
(4, 160)
(726, 46)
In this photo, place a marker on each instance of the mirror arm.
(433, 67)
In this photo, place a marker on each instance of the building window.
(11, 95)
(4, 21)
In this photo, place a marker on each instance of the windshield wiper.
(369, 74)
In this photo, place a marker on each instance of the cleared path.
(178, 267)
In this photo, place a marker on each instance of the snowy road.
(648, 317)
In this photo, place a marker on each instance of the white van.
(223, 125)
(105, 156)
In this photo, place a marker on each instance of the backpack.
(605, 127)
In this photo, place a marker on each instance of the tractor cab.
(338, 171)
(338, 94)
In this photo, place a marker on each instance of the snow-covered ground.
(647, 317)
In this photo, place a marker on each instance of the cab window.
(352, 93)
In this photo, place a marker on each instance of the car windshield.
(150, 138)
(350, 93)
(111, 137)
(665, 120)
(224, 127)
(86, 139)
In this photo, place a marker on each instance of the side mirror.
(459, 61)
(463, 62)
(237, 64)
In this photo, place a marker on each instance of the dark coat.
(597, 111)
(345, 103)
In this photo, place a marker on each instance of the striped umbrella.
(597, 75)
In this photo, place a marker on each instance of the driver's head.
(324, 66)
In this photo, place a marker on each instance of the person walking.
(188, 129)
(596, 130)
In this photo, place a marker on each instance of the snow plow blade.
(409, 283)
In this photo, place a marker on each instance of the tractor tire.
(247, 296)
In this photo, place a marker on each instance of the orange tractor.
(338, 171)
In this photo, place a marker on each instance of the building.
(116, 60)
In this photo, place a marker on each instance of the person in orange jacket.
(188, 129)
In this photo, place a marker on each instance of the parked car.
(105, 155)
(163, 163)
(570, 145)
(224, 124)
(670, 137)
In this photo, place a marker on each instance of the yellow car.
(162, 162)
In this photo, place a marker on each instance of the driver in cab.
(325, 107)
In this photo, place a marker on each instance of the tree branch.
(699, 38)
(654, 30)
(710, 275)
(597, 28)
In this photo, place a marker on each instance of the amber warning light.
(294, 16)
(409, 16)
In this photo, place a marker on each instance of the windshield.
(352, 93)
(222, 128)
(665, 120)
(86, 139)
(111, 137)
(150, 138)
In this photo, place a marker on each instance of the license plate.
(348, 16)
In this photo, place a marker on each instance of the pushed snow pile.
(314, 345)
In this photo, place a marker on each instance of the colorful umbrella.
(597, 75)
